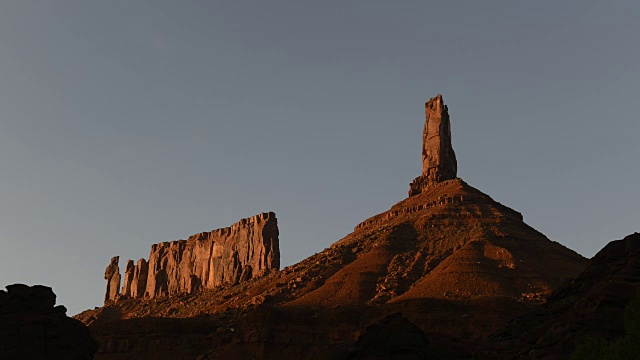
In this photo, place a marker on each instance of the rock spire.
(438, 158)
(112, 275)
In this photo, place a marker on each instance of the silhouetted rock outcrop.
(245, 250)
(33, 328)
(438, 158)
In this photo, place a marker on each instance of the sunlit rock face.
(245, 250)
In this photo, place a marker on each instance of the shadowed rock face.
(112, 275)
(590, 305)
(438, 158)
(247, 249)
(394, 337)
(33, 328)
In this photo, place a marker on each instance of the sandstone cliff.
(245, 250)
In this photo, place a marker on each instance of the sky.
(127, 123)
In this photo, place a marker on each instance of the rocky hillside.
(592, 305)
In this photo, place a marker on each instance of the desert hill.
(448, 258)
(450, 242)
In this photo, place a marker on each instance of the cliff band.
(245, 250)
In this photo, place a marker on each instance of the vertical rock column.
(129, 271)
(438, 158)
(112, 275)
(139, 282)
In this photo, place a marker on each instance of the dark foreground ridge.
(33, 328)
(591, 305)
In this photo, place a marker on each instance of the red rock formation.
(129, 271)
(449, 258)
(438, 158)
(452, 260)
(246, 250)
(112, 275)
(135, 279)
(139, 282)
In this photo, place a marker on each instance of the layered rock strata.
(245, 250)
(438, 158)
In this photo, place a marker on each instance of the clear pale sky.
(127, 123)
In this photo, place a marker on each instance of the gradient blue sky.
(127, 123)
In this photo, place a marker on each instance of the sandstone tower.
(438, 158)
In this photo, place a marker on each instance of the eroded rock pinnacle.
(438, 158)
